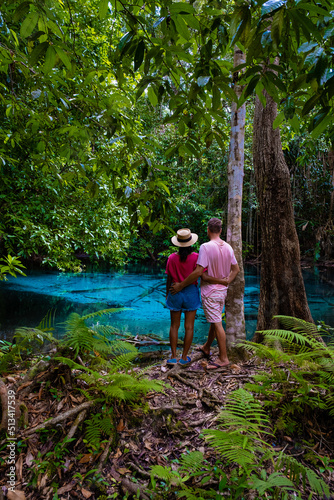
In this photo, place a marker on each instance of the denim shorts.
(186, 300)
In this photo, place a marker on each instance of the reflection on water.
(24, 301)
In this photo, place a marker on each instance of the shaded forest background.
(95, 161)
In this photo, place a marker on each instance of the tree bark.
(282, 288)
(235, 319)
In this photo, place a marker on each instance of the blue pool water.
(24, 301)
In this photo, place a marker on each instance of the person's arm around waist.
(214, 281)
(177, 287)
(222, 281)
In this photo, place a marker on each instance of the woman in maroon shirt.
(179, 265)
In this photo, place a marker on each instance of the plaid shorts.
(213, 306)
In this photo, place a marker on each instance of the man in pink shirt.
(218, 257)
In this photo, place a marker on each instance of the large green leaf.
(271, 6)
(29, 24)
(139, 55)
(50, 59)
(103, 8)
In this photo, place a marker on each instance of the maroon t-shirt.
(178, 270)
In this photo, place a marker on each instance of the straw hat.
(184, 238)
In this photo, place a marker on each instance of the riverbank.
(156, 446)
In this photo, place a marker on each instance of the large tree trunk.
(235, 319)
(282, 288)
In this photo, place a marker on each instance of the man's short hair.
(215, 225)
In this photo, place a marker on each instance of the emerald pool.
(24, 301)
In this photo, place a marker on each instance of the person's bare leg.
(189, 332)
(222, 359)
(211, 337)
(175, 317)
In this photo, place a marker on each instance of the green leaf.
(38, 52)
(203, 80)
(103, 8)
(177, 7)
(309, 105)
(251, 86)
(310, 7)
(277, 26)
(22, 9)
(63, 56)
(152, 96)
(125, 39)
(307, 46)
(159, 21)
(50, 59)
(243, 28)
(139, 55)
(271, 5)
(306, 25)
(216, 102)
(28, 25)
(181, 27)
(323, 123)
(289, 108)
(278, 120)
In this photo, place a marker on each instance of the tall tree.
(282, 288)
(235, 318)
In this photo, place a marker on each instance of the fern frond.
(113, 310)
(275, 480)
(26, 335)
(296, 470)
(122, 361)
(48, 321)
(291, 337)
(107, 426)
(298, 325)
(233, 446)
(164, 473)
(244, 413)
(192, 462)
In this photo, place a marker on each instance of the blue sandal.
(172, 361)
(183, 362)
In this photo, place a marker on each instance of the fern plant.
(301, 374)
(27, 341)
(85, 339)
(241, 446)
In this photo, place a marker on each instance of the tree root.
(133, 488)
(60, 418)
(80, 418)
(105, 454)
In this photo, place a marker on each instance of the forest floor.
(156, 431)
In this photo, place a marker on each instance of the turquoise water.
(24, 301)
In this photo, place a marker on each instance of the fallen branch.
(60, 418)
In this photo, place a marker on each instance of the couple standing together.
(217, 266)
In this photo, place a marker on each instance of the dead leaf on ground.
(19, 464)
(65, 489)
(29, 459)
(16, 495)
(123, 470)
(86, 493)
(148, 445)
(88, 457)
(118, 453)
(120, 425)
